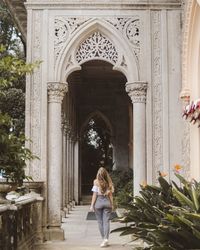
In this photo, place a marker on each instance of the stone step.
(86, 200)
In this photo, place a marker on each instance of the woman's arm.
(94, 197)
(111, 199)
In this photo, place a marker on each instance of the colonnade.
(63, 172)
(61, 158)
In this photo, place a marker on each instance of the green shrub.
(13, 153)
(123, 184)
(166, 217)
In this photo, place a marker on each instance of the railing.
(21, 224)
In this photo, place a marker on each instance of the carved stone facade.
(128, 43)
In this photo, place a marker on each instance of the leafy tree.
(98, 136)
(13, 153)
(12, 85)
(96, 150)
(13, 69)
(10, 38)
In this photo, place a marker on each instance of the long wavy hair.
(104, 181)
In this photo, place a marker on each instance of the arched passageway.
(101, 98)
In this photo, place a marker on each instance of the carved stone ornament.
(185, 143)
(130, 29)
(64, 27)
(157, 94)
(97, 46)
(35, 98)
(56, 91)
(66, 126)
(137, 91)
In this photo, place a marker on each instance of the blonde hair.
(104, 181)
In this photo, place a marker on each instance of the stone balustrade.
(21, 223)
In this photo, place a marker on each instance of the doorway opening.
(96, 149)
(103, 120)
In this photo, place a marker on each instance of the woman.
(102, 202)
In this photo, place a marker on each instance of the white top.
(96, 189)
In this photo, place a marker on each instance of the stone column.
(70, 169)
(64, 167)
(76, 171)
(56, 92)
(137, 92)
(68, 172)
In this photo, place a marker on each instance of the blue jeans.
(103, 210)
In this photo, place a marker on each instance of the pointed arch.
(125, 61)
(103, 117)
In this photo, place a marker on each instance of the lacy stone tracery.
(97, 46)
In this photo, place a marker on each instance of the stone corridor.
(82, 234)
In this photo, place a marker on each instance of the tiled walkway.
(82, 234)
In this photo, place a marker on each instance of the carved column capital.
(56, 91)
(137, 91)
(185, 96)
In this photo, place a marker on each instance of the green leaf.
(194, 198)
(193, 216)
(181, 178)
(183, 199)
(164, 184)
(163, 248)
(119, 229)
(196, 233)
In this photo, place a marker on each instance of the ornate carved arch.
(78, 42)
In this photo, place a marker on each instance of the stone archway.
(117, 41)
(100, 92)
(191, 77)
(78, 41)
(95, 151)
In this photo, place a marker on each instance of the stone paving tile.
(82, 234)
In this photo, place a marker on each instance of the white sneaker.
(104, 243)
